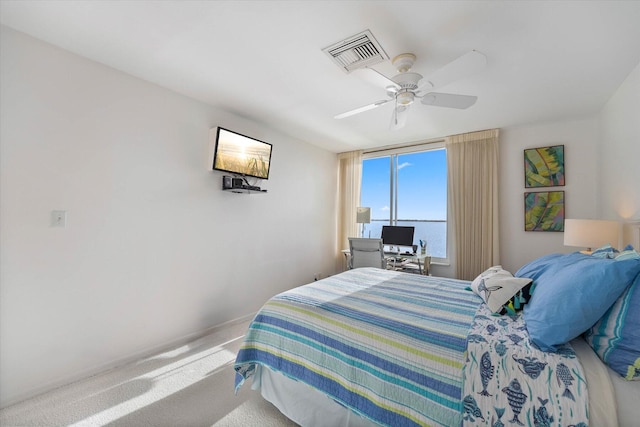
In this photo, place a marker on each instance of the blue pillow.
(616, 336)
(572, 292)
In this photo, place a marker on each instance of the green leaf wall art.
(544, 211)
(544, 166)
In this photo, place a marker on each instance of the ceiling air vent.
(359, 51)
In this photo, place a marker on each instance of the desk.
(422, 260)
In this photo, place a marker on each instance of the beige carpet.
(188, 386)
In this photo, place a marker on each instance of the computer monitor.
(395, 235)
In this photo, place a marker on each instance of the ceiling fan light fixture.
(405, 98)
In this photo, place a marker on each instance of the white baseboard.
(131, 358)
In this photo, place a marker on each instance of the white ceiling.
(263, 60)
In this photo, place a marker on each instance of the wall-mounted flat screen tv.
(241, 155)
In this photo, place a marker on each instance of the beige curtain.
(349, 183)
(472, 163)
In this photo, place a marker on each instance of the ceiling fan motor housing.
(408, 83)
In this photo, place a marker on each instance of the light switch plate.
(58, 218)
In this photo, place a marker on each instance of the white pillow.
(497, 286)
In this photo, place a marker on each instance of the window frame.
(408, 149)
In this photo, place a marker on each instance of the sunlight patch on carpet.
(170, 378)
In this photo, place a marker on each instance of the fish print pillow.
(500, 290)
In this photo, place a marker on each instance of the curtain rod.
(400, 146)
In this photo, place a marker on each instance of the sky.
(422, 186)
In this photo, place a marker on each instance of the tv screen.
(242, 155)
(395, 235)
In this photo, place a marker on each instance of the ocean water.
(434, 232)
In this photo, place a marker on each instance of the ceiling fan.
(405, 87)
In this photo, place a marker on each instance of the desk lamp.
(590, 233)
(363, 216)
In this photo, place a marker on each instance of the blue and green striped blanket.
(388, 345)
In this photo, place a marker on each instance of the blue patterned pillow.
(627, 254)
(616, 336)
(606, 251)
(572, 292)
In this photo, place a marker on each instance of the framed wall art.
(544, 211)
(544, 166)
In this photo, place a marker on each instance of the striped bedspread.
(388, 345)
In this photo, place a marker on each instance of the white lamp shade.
(363, 215)
(590, 233)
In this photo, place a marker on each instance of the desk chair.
(366, 253)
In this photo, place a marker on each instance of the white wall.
(620, 152)
(602, 158)
(580, 139)
(153, 251)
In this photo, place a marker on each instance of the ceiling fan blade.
(376, 78)
(449, 100)
(466, 65)
(361, 109)
(399, 117)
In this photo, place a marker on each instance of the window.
(408, 187)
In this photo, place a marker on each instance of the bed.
(375, 347)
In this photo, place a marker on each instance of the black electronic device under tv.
(242, 155)
(395, 235)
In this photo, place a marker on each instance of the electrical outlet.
(317, 276)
